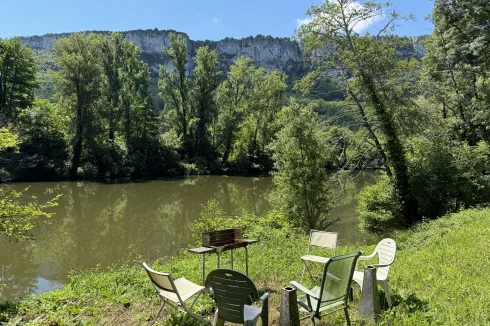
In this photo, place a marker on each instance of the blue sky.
(200, 19)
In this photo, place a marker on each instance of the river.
(97, 224)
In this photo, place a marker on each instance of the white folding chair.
(176, 293)
(322, 239)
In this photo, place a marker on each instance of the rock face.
(271, 53)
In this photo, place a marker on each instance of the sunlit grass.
(438, 278)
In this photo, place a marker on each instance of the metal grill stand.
(219, 241)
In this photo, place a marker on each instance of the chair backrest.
(337, 278)
(323, 239)
(161, 281)
(386, 250)
(232, 290)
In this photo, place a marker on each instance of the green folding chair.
(333, 293)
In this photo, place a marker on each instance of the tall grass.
(438, 278)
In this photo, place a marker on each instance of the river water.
(97, 224)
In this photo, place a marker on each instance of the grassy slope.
(439, 278)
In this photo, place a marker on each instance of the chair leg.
(159, 312)
(189, 310)
(347, 315)
(351, 294)
(384, 285)
(217, 321)
(264, 315)
(312, 319)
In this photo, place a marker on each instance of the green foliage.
(78, 85)
(174, 84)
(299, 153)
(445, 177)
(377, 81)
(248, 102)
(456, 67)
(7, 139)
(17, 219)
(429, 282)
(43, 150)
(379, 208)
(17, 79)
(206, 80)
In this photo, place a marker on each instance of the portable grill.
(219, 241)
(224, 240)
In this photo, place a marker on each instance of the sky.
(200, 19)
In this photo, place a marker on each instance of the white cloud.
(359, 27)
(362, 25)
(303, 21)
(216, 20)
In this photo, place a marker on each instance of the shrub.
(379, 208)
(444, 177)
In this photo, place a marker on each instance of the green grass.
(438, 278)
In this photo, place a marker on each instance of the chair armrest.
(305, 290)
(371, 256)
(264, 296)
(381, 265)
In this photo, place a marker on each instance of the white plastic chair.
(176, 293)
(386, 250)
(321, 239)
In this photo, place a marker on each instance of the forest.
(363, 105)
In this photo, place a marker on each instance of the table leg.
(246, 261)
(203, 268)
(219, 258)
(232, 259)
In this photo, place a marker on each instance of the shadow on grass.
(406, 301)
(7, 309)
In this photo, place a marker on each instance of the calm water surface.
(99, 224)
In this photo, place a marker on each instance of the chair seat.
(358, 277)
(314, 302)
(185, 288)
(316, 259)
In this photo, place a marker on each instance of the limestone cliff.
(271, 53)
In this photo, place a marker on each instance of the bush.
(379, 208)
(444, 177)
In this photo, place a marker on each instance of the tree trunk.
(77, 144)
(396, 154)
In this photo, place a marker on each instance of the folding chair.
(176, 293)
(332, 294)
(321, 239)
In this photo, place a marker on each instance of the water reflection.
(99, 224)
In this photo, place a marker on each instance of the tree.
(78, 84)
(125, 83)
(232, 98)
(16, 220)
(371, 66)
(301, 182)
(17, 79)
(174, 84)
(457, 66)
(206, 80)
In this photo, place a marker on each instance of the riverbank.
(438, 277)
